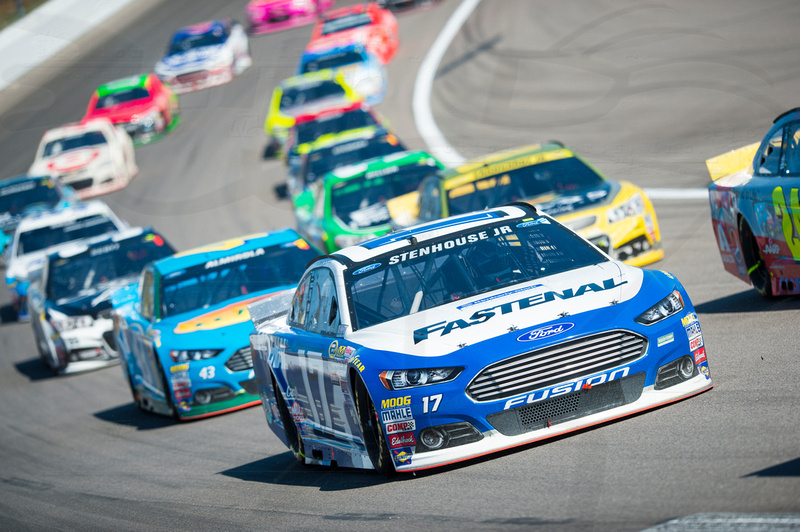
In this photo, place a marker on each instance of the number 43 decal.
(207, 372)
(431, 404)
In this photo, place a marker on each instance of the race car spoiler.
(731, 162)
(271, 307)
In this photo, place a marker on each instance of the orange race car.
(368, 23)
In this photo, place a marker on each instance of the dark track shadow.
(748, 301)
(786, 469)
(129, 415)
(8, 314)
(35, 370)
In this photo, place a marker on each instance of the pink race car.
(265, 16)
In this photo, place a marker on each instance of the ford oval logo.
(545, 332)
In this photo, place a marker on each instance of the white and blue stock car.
(467, 336)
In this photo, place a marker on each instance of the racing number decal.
(431, 404)
(207, 372)
(312, 367)
(790, 218)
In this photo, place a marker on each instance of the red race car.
(368, 23)
(142, 105)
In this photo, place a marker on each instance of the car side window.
(328, 320)
(146, 295)
(790, 156)
(430, 206)
(298, 311)
(766, 162)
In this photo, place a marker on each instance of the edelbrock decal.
(545, 332)
(484, 315)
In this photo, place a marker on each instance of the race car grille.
(81, 183)
(192, 77)
(558, 363)
(241, 360)
(631, 249)
(570, 406)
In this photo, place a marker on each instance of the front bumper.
(90, 348)
(200, 79)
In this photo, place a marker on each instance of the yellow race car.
(616, 216)
(301, 95)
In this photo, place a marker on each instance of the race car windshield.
(249, 272)
(347, 22)
(44, 237)
(333, 61)
(183, 43)
(16, 198)
(297, 96)
(75, 142)
(103, 266)
(322, 161)
(560, 177)
(332, 123)
(116, 98)
(460, 266)
(360, 203)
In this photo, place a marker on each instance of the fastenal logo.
(545, 332)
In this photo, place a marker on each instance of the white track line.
(433, 136)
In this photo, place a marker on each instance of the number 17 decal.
(431, 404)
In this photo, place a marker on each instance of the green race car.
(347, 205)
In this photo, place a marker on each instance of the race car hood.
(558, 204)
(91, 301)
(73, 160)
(191, 60)
(520, 308)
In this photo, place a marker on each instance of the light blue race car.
(467, 336)
(362, 71)
(182, 329)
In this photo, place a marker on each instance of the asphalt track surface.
(645, 90)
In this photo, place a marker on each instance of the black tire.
(372, 429)
(754, 261)
(292, 434)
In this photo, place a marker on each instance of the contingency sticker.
(666, 339)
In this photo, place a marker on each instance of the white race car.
(204, 55)
(93, 158)
(40, 234)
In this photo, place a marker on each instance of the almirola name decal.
(484, 315)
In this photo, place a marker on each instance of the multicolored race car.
(24, 195)
(361, 70)
(616, 216)
(70, 303)
(181, 331)
(93, 157)
(755, 208)
(266, 16)
(348, 205)
(468, 336)
(305, 94)
(205, 55)
(142, 105)
(368, 24)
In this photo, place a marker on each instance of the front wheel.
(372, 429)
(754, 261)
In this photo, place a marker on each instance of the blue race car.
(182, 329)
(362, 71)
(466, 336)
(23, 195)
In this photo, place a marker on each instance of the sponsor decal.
(108, 248)
(700, 355)
(183, 393)
(498, 296)
(772, 249)
(404, 457)
(402, 440)
(422, 251)
(484, 315)
(183, 406)
(567, 387)
(297, 413)
(530, 223)
(703, 367)
(401, 426)
(395, 402)
(357, 363)
(341, 352)
(666, 339)
(244, 255)
(397, 414)
(693, 330)
(179, 367)
(696, 343)
(180, 384)
(366, 269)
(545, 332)
(19, 187)
(333, 348)
(689, 318)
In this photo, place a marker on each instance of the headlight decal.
(669, 306)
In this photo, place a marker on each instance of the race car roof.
(93, 124)
(15, 180)
(66, 214)
(364, 133)
(318, 50)
(227, 248)
(407, 238)
(202, 28)
(80, 247)
(123, 84)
